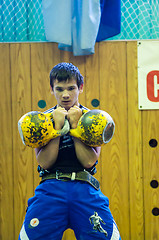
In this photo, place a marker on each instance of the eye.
(59, 89)
(71, 88)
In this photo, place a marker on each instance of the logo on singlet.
(34, 222)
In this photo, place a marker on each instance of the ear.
(81, 88)
(52, 92)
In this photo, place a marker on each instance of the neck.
(76, 104)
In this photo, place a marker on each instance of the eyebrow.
(58, 87)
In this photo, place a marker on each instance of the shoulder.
(83, 107)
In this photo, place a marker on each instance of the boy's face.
(66, 93)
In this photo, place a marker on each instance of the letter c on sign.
(153, 86)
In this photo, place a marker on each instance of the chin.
(66, 107)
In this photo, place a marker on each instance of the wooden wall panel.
(113, 95)
(92, 88)
(43, 57)
(22, 156)
(135, 147)
(6, 139)
(150, 172)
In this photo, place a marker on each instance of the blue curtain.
(110, 21)
(77, 24)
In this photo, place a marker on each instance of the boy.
(68, 196)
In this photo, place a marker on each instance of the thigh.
(90, 215)
(47, 214)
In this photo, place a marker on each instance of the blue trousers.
(58, 205)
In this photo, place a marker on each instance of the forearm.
(85, 154)
(46, 156)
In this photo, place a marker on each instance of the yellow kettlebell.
(36, 129)
(95, 128)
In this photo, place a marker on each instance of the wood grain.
(22, 155)
(6, 148)
(113, 95)
(92, 88)
(150, 172)
(43, 57)
(135, 146)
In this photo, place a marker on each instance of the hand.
(59, 115)
(73, 116)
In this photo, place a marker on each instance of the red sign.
(153, 86)
(148, 74)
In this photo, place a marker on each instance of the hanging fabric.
(77, 24)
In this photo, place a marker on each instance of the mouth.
(66, 102)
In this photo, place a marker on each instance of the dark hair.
(65, 71)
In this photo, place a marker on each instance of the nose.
(65, 94)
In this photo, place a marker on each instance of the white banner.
(148, 74)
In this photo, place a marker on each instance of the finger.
(75, 108)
